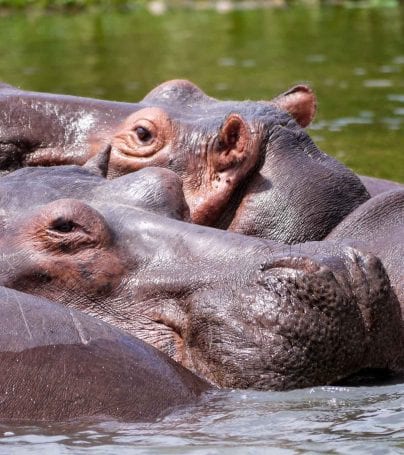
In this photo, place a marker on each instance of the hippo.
(377, 226)
(48, 129)
(60, 364)
(249, 167)
(238, 311)
(376, 186)
(238, 160)
(156, 190)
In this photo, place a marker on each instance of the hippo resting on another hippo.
(59, 364)
(246, 166)
(239, 311)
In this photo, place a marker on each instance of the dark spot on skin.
(84, 272)
(106, 289)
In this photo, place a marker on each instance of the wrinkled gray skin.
(378, 227)
(59, 364)
(238, 311)
(246, 166)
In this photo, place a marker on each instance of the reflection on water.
(352, 57)
(321, 419)
(354, 60)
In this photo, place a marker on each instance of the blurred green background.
(352, 54)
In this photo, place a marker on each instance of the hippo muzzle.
(298, 322)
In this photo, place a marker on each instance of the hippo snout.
(298, 322)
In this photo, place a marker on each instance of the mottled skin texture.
(246, 166)
(238, 311)
(378, 227)
(59, 364)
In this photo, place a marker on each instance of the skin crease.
(238, 160)
(59, 364)
(276, 316)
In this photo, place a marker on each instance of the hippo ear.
(234, 145)
(300, 102)
(234, 155)
(98, 164)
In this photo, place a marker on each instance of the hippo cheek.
(162, 324)
(290, 327)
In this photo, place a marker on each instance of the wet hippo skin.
(236, 310)
(49, 129)
(247, 166)
(376, 186)
(378, 227)
(59, 364)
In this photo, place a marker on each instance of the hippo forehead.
(197, 111)
(250, 110)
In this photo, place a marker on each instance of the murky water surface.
(354, 59)
(320, 420)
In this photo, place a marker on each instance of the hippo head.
(248, 166)
(212, 145)
(239, 311)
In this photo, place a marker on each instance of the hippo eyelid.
(63, 225)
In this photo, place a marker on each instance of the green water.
(352, 57)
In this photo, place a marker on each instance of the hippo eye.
(63, 225)
(143, 134)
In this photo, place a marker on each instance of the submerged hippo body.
(60, 364)
(246, 166)
(238, 311)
